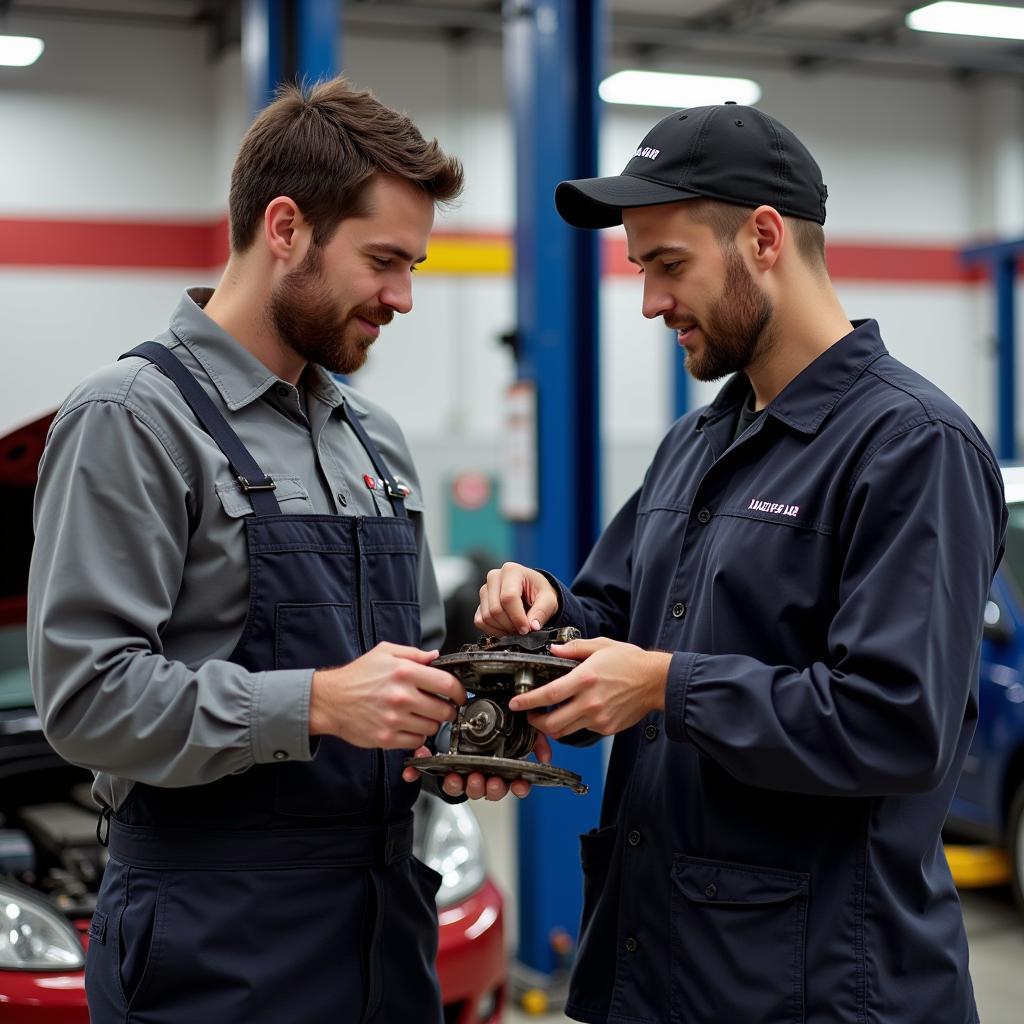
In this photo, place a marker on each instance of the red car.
(51, 861)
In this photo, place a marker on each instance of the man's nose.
(398, 296)
(657, 302)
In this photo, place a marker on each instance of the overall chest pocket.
(340, 779)
(396, 622)
(738, 942)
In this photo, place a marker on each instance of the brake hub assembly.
(487, 736)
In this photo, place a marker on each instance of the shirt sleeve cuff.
(280, 716)
(570, 611)
(677, 690)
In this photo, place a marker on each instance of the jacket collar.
(238, 375)
(805, 402)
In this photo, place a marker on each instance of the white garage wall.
(122, 122)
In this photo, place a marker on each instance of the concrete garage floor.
(996, 933)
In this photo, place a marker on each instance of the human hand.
(475, 785)
(614, 686)
(389, 697)
(515, 599)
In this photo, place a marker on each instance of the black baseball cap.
(728, 152)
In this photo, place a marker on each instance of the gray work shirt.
(139, 584)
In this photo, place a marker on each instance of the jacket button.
(634, 838)
(651, 732)
(711, 890)
(678, 610)
(631, 945)
(703, 516)
(342, 500)
(280, 755)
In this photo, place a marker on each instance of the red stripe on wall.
(847, 262)
(171, 245)
(139, 245)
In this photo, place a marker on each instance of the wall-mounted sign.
(471, 490)
(519, 465)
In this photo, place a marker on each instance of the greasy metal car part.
(487, 736)
(506, 768)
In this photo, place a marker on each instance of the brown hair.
(321, 146)
(725, 219)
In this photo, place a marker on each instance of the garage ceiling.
(868, 36)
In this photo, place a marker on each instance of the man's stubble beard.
(306, 318)
(736, 329)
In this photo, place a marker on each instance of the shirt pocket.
(291, 494)
(738, 942)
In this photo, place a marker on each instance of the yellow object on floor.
(534, 1002)
(974, 867)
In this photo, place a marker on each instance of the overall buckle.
(267, 484)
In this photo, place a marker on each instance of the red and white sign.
(471, 490)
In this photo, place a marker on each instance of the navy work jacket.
(769, 848)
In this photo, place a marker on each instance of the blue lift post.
(680, 379)
(554, 51)
(1001, 259)
(287, 41)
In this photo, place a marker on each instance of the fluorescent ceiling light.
(19, 51)
(658, 89)
(962, 19)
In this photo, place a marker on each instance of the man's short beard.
(306, 318)
(736, 329)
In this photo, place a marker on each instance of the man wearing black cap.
(783, 625)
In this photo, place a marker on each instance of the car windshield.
(15, 690)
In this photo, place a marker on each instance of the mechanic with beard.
(232, 606)
(781, 627)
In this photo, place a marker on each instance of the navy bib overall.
(287, 893)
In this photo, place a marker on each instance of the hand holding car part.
(620, 684)
(488, 737)
(389, 698)
(613, 686)
(515, 599)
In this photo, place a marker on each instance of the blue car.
(989, 800)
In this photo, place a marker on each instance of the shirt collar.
(238, 375)
(808, 398)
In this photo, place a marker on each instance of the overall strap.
(395, 494)
(253, 480)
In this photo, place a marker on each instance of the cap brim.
(599, 202)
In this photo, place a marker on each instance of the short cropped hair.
(321, 146)
(725, 219)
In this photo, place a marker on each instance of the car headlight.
(34, 936)
(452, 844)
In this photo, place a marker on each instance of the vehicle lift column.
(554, 51)
(289, 41)
(1001, 259)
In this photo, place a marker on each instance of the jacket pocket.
(738, 942)
(591, 987)
(596, 849)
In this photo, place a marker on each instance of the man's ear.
(767, 232)
(285, 231)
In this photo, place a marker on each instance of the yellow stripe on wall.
(455, 254)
